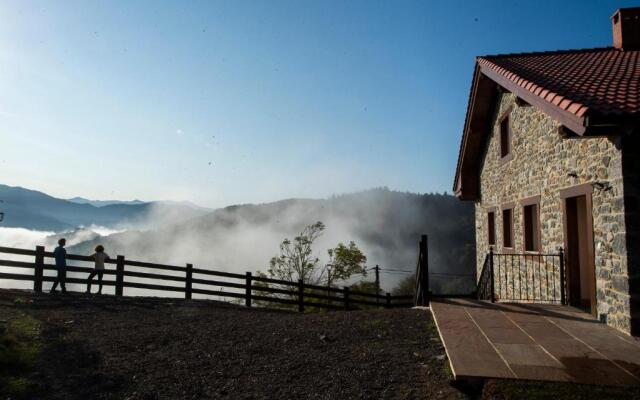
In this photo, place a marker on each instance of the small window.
(491, 228)
(507, 228)
(531, 220)
(505, 137)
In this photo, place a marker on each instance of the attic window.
(505, 137)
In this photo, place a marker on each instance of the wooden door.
(580, 265)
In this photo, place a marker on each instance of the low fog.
(385, 224)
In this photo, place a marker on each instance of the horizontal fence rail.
(252, 289)
(528, 277)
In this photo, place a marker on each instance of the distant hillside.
(102, 203)
(386, 224)
(31, 209)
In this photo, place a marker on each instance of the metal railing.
(485, 282)
(528, 277)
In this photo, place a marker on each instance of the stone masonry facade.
(543, 163)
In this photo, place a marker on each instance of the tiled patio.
(534, 341)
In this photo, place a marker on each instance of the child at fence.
(99, 257)
(60, 255)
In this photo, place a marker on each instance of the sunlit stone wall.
(544, 162)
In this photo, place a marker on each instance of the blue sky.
(253, 101)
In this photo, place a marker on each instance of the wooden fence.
(421, 291)
(251, 288)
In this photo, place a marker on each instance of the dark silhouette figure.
(100, 257)
(60, 254)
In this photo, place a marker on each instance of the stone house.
(550, 155)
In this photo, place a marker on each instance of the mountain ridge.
(33, 209)
(102, 203)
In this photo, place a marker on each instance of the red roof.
(590, 92)
(583, 82)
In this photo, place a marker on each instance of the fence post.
(187, 283)
(493, 296)
(424, 270)
(119, 275)
(247, 296)
(388, 303)
(563, 295)
(345, 298)
(300, 295)
(39, 269)
(377, 285)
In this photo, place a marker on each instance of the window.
(505, 137)
(507, 228)
(531, 223)
(491, 227)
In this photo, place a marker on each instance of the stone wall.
(544, 162)
(631, 174)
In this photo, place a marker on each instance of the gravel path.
(105, 347)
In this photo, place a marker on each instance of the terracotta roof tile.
(579, 83)
(595, 81)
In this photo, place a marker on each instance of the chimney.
(626, 29)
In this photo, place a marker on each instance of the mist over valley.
(385, 224)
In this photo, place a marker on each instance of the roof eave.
(457, 185)
(477, 123)
(571, 121)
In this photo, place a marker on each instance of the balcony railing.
(528, 277)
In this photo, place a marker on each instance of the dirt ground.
(104, 347)
(149, 348)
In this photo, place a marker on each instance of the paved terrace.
(534, 341)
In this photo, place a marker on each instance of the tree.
(406, 287)
(345, 261)
(297, 261)
(365, 287)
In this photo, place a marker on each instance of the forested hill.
(31, 209)
(386, 224)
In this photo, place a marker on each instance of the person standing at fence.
(60, 255)
(99, 257)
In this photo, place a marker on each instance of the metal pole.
(493, 296)
(563, 299)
